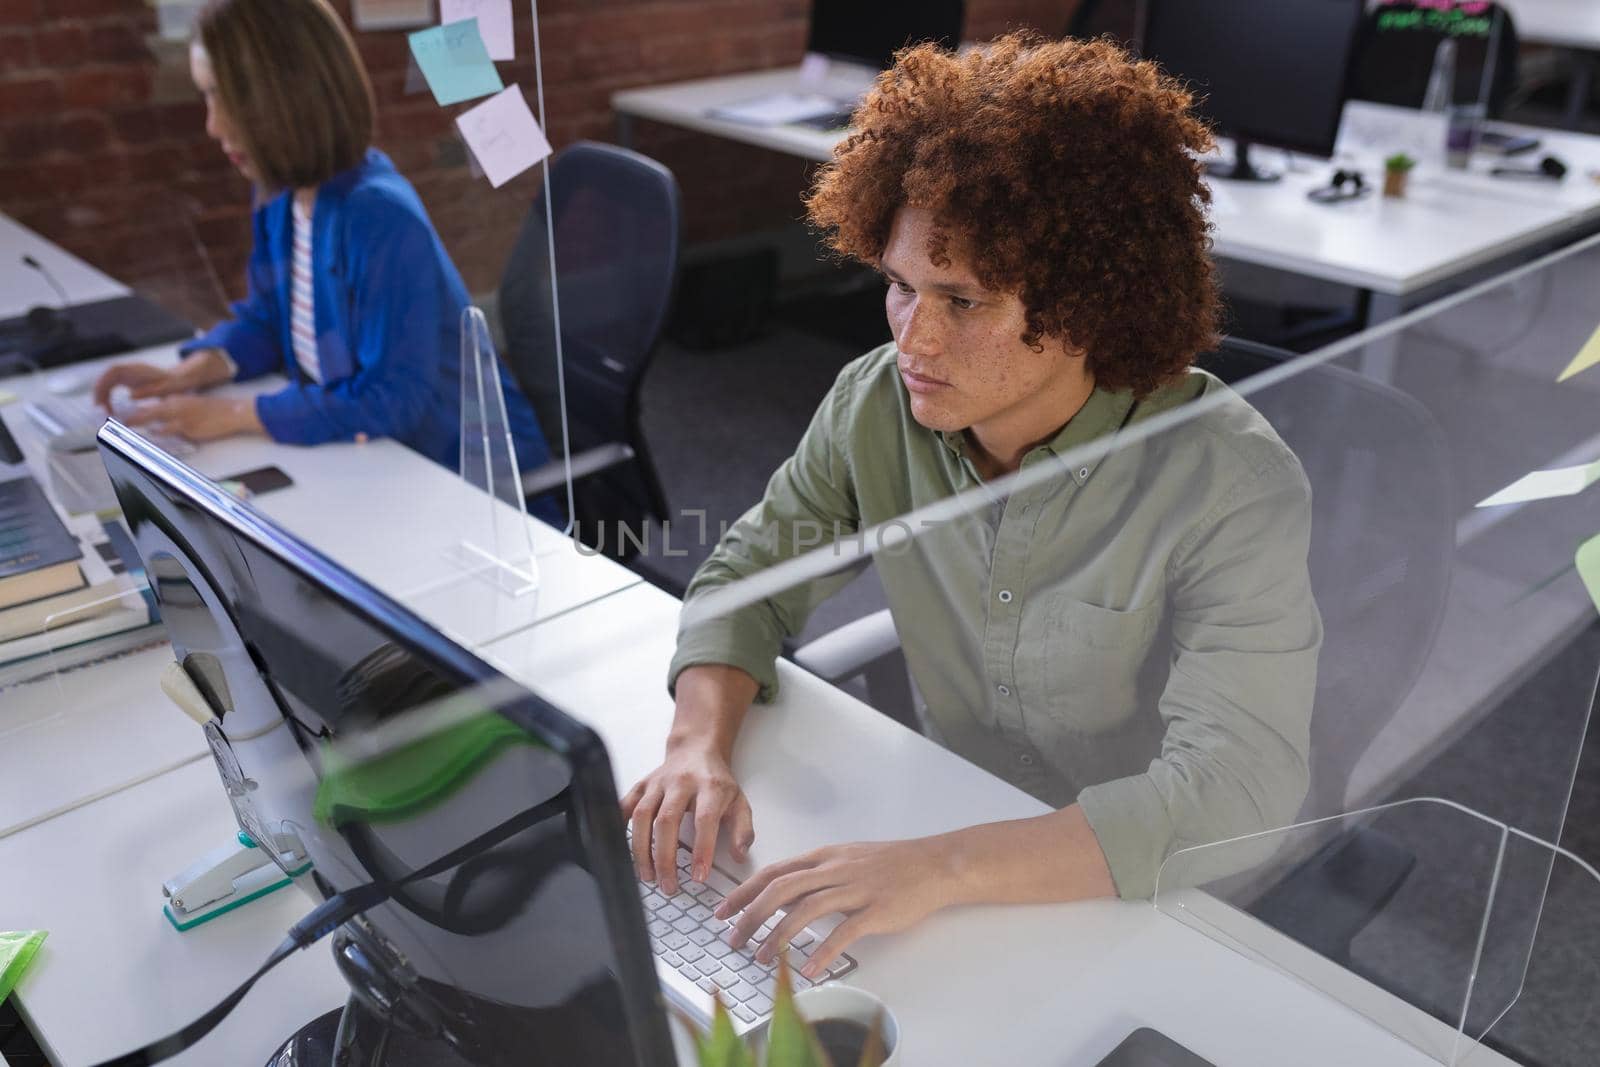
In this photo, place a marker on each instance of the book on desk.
(68, 593)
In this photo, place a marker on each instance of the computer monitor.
(1271, 72)
(871, 33)
(531, 950)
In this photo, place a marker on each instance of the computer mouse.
(72, 380)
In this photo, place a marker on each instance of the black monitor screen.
(1267, 71)
(527, 947)
(871, 32)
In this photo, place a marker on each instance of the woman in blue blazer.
(351, 294)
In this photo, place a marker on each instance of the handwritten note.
(1587, 357)
(1543, 485)
(494, 23)
(1588, 561)
(504, 137)
(455, 62)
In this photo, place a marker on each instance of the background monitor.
(533, 950)
(871, 32)
(1270, 72)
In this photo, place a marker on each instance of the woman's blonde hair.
(293, 86)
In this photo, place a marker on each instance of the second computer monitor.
(871, 33)
(1271, 72)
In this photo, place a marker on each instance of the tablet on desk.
(1148, 1048)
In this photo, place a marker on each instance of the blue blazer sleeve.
(251, 336)
(399, 295)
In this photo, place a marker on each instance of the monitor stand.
(1240, 169)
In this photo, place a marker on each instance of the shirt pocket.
(1090, 664)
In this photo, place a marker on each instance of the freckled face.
(219, 126)
(961, 353)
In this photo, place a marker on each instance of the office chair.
(617, 219)
(1393, 66)
(1383, 535)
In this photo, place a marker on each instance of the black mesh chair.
(617, 218)
(1392, 65)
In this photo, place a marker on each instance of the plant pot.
(1394, 182)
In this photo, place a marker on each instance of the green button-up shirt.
(1133, 629)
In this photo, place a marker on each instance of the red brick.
(83, 134)
(68, 9)
(60, 47)
(118, 43)
(29, 96)
(16, 51)
(27, 139)
(136, 125)
(106, 87)
(19, 12)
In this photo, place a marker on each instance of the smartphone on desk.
(254, 483)
(1150, 1048)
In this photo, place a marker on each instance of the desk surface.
(22, 287)
(1396, 247)
(1569, 23)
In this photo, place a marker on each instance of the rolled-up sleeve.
(809, 502)
(1237, 704)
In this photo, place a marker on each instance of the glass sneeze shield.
(1275, 637)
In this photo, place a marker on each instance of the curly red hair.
(1065, 171)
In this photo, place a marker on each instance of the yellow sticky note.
(1587, 357)
(1588, 561)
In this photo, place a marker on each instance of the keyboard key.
(708, 985)
(700, 913)
(726, 979)
(675, 942)
(707, 967)
(659, 929)
(672, 959)
(743, 1012)
(760, 1003)
(709, 897)
(742, 991)
(686, 925)
(714, 945)
(705, 939)
(669, 914)
(691, 951)
(802, 939)
(693, 888)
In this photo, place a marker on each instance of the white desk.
(22, 287)
(1570, 23)
(1398, 251)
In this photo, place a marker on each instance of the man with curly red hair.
(1130, 636)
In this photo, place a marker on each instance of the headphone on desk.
(1334, 191)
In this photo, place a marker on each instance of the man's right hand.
(695, 777)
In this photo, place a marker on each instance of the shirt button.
(1003, 690)
(1005, 596)
(1083, 472)
(1025, 759)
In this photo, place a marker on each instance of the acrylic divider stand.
(491, 588)
(1418, 914)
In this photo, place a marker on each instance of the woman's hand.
(198, 418)
(879, 887)
(197, 371)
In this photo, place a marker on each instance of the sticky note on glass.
(494, 23)
(455, 62)
(1587, 357)
(1543, 485)
(504, 137)
(1588, 561)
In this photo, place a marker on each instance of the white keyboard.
(695, 963)
(69, 424)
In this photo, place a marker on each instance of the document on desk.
(455, 62)
(777, 109)
(1544, 485)
(503, 135)
(1587, 357)
(494, 23)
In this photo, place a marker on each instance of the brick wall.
(103, 150)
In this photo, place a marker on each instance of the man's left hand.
(198, 418)
(879, 887)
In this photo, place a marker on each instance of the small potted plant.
(791, 1040)
(1395, 169)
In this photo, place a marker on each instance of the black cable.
(323, 920)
